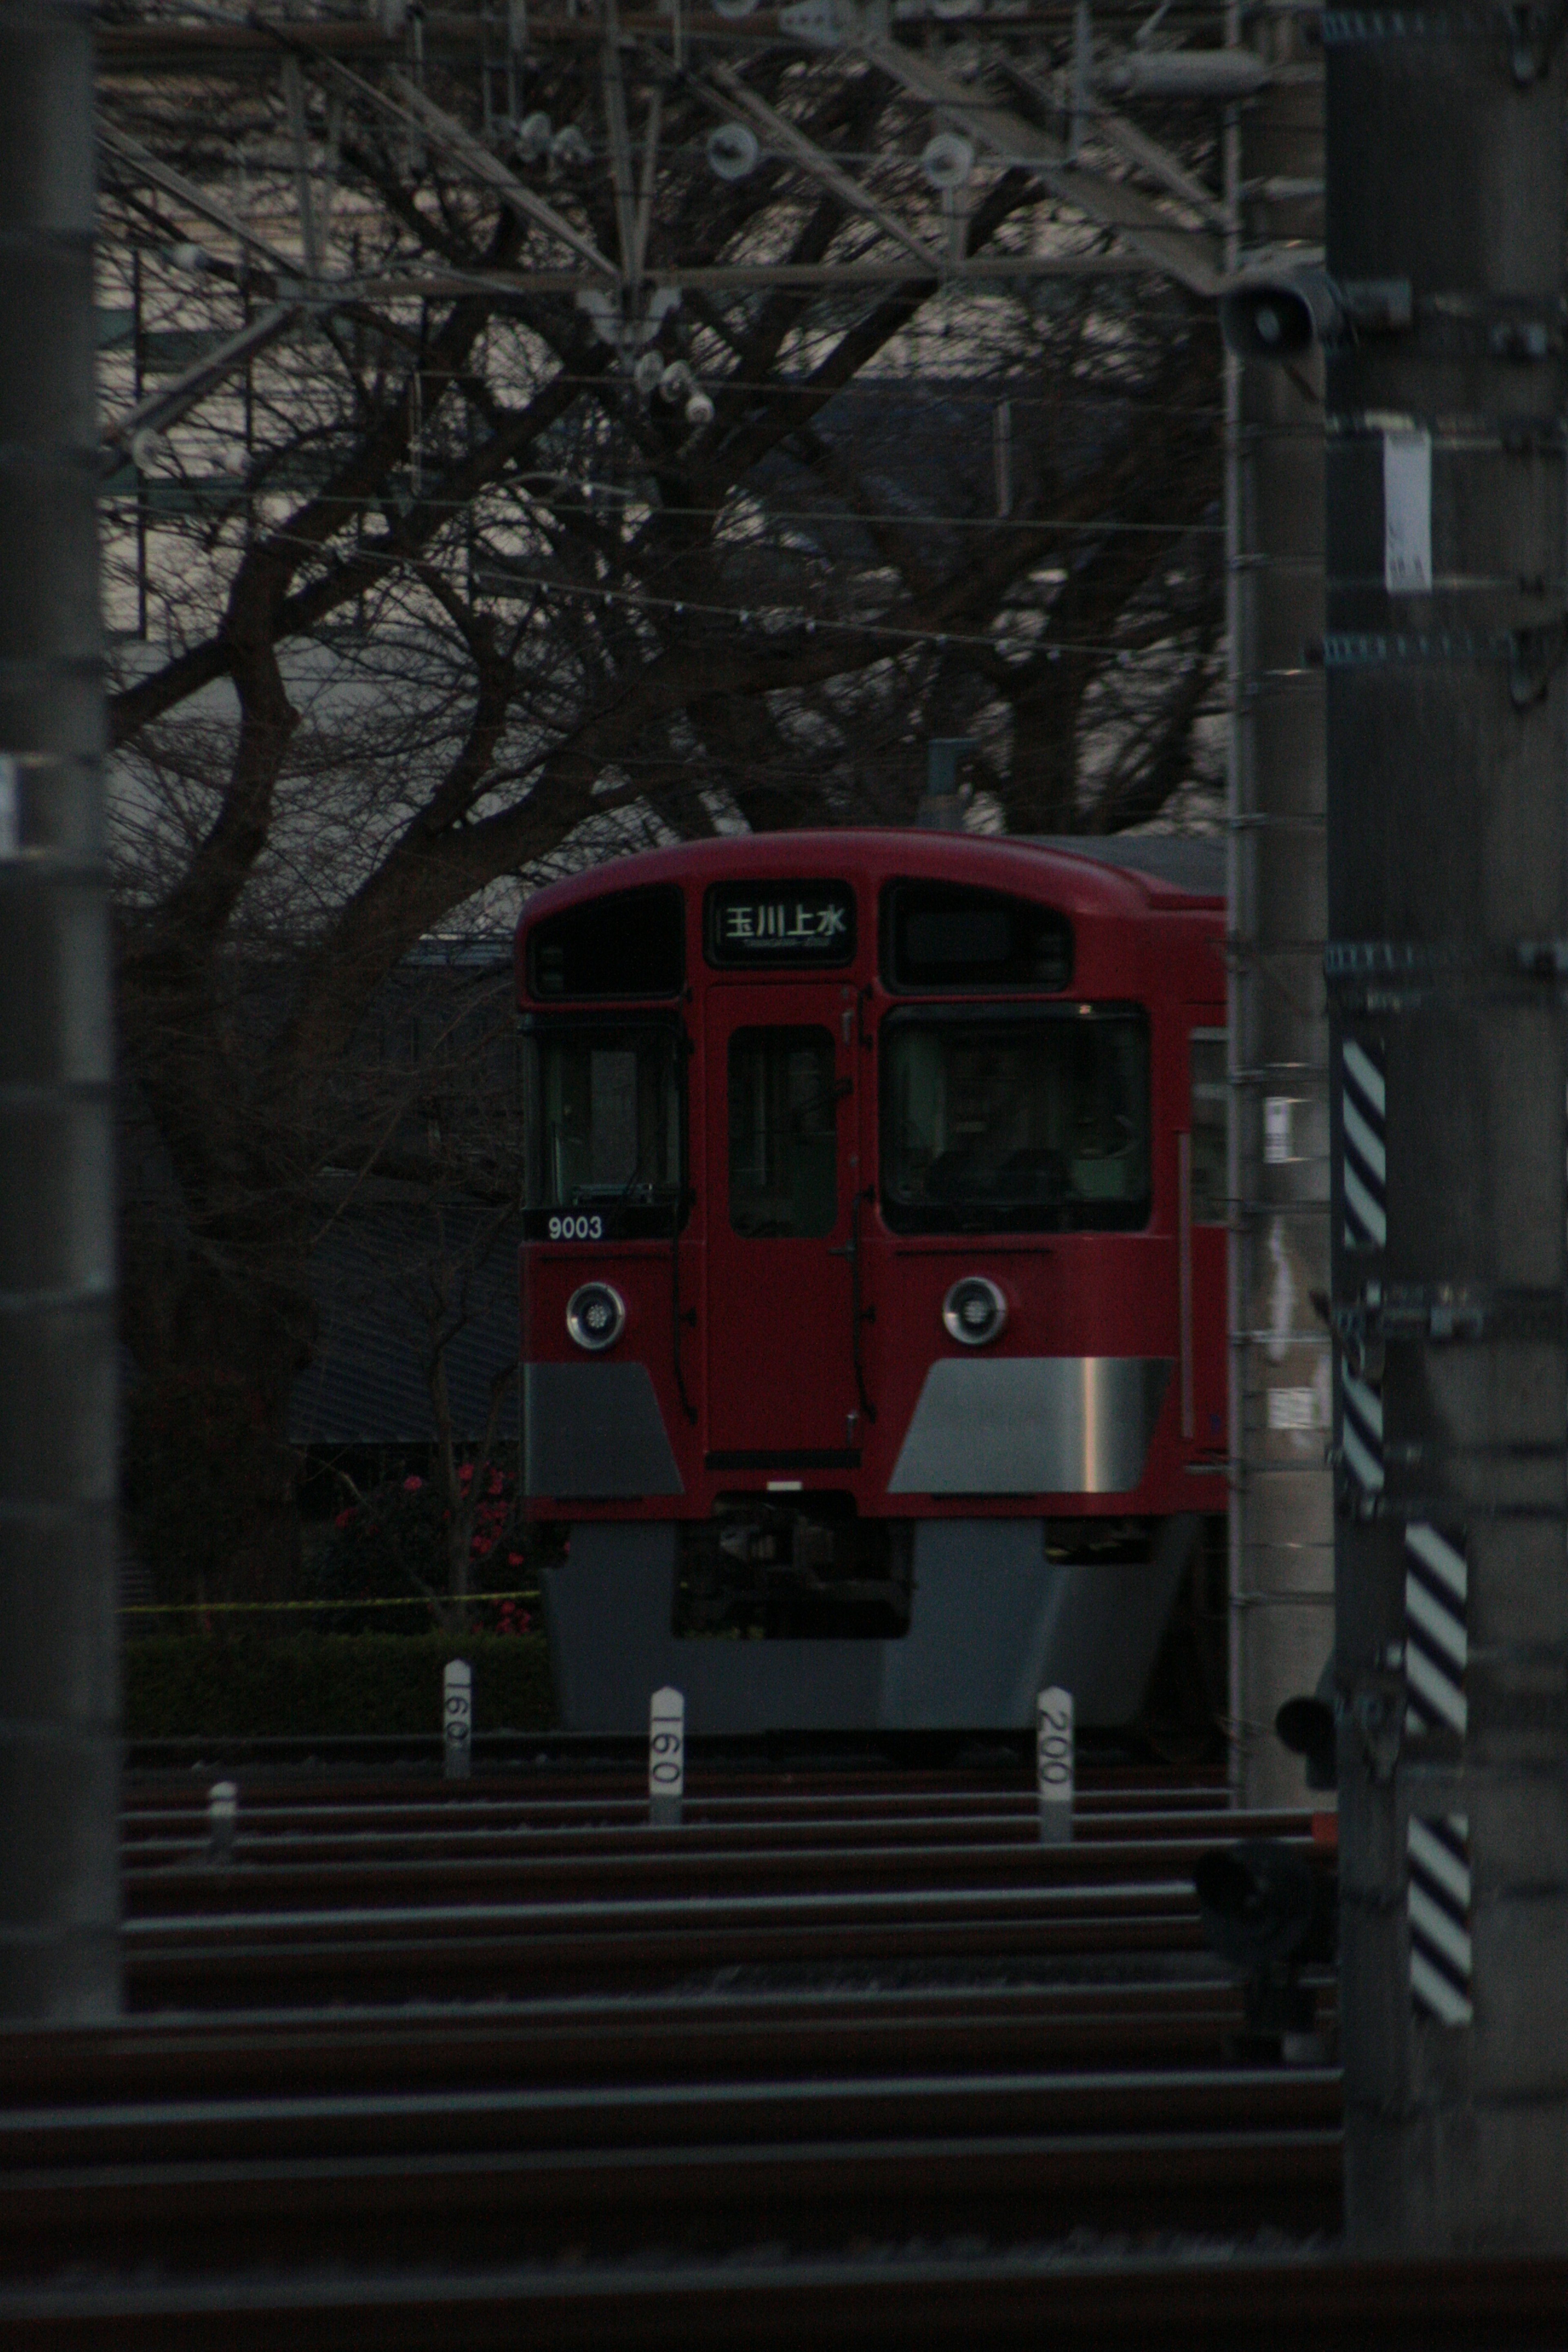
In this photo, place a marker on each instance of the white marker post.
(457, 1717)
(222, 1817)
(665, 1759)
(1054, 1765)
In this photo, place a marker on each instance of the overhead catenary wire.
(762, 611)
(803, 517)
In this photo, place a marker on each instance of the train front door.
(783, 1144)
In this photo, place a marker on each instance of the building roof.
(379, 1275)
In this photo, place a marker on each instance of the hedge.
(319, 1685)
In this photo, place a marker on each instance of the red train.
(873, 1272)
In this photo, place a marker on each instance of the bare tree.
(481, 567)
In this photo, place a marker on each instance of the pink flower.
(480, 1545)
(514, 1560)
(411, 1485)
(345, 1518)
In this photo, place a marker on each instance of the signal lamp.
(1306, 1727)
(1279, 317)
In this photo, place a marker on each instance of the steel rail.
(224, 1970)
(669, 2039)
(664, 2115)
(1122, 1899)
(257, 1883)
(622, 1781)
(910, 2300)
(578, 1764)
(482, 1968)
(348, 1832)
(212, 2215)
(533, 1914)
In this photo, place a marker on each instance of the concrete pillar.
(1448, 946)
(59, 1597)
(1281, 1585)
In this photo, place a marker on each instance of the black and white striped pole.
(1447, 970)
(1054, 1764)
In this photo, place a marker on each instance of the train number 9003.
(575, 1229)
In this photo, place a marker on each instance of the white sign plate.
(457, 1717)
(666, 1755)
(1407, 513)
(1054, 1764)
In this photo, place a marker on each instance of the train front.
(873, 1279)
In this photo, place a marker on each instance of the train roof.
(1112, 875)
(1192, 863)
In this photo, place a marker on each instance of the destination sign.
(781, 923)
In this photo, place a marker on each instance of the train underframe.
(799, 1616)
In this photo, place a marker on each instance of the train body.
(873, 1274)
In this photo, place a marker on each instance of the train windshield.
(1007, 1122)
(605, 1118)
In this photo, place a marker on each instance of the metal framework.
(1151, 208)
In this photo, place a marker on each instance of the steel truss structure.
(983, 87)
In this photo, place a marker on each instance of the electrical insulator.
(733, 150)
(534, 135)
(947, 159)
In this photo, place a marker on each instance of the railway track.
(505, 1896)
(429, 2028)
(500, 1950)
(898, 2302)
(222, 2185)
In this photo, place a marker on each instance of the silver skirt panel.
(1032, 1425)
(993, 1621)
(592, 1431)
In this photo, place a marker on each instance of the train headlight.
(975, 1311)
(595, 1315)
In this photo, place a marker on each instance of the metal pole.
(1282, 1521)
(1448, 946)
(59, 1757)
